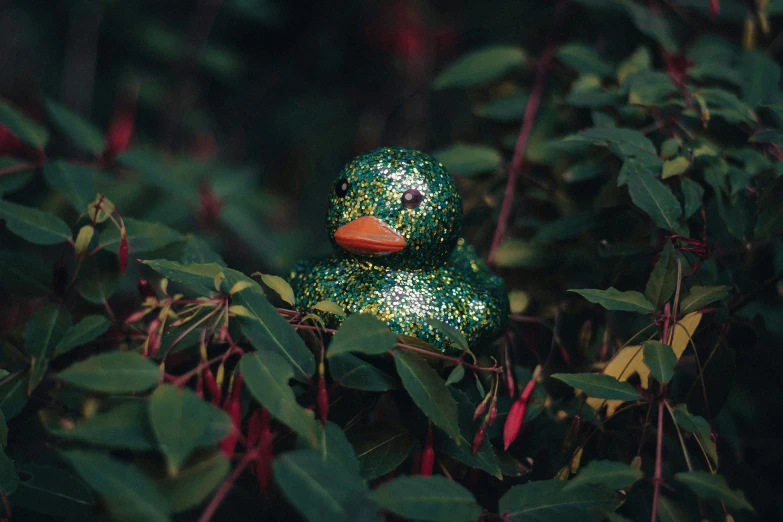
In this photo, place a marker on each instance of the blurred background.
(269, 99)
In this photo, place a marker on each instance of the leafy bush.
(623, 175)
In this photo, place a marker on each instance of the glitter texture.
(436, 276)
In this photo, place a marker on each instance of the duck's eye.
(411, 198)
(342, 187)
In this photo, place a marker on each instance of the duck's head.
(396, 206)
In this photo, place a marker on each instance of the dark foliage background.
(239, 115)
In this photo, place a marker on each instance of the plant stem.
(18, 168)
(518, 160)
(457, 360)
(658, 462)
(225, 487)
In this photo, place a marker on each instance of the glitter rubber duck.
(394, 216)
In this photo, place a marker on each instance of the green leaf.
(127, 492)
(654, 198)
(178, 418)
(714, 487)
(148, 164)
(660, 359)
(456, 375)
(700, 296)
(691, 423)
(692, 192)
(9, 480)
(75, 181)
(485, 458)
(670, 148)
(653, 24)
(481, 66)
(773, 136)
(506, 108)
(266, 376)
(75, 128)
(518, 253)
(762, 77)
(649, 88)
(584, 59)
(583, 171)
(380, 447)
(469, 160)
(726, 105)
(455, 337)
(99, 278)
(428, 391)
(280, 286)
(21, 126)
(198, 277)
(13, 396)
(193, 484)
(142, 236)
(362, 333)
(45, 329)
(89, 328)
(124, 426)
(197, 250)
(638, 61)
(322, 490)
(333, 444)
(548, 500)
(565, 227)
(675, 167)
(52, 491)
(352, 372)
(663, 278)
(626, 143)
(33, 225)
(614, 299)
(329, 307)
(113, 372)
(613, 475)
(600, 386)
(14, 181)
(266, 329)
(435, 498)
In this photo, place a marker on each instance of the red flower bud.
(428, 456)
(153, 337)
(323, 400)
(145, 289)
(479, 438)
(513, 424)
(266, 453)
(511, 386)
(211, 384)
(516, 414)
(236, 390)
(136, 316)
(120, 131)
(123, 252)
(254, 427)
(481, 407)
(714, 8)
(493, 413)
(229, 442)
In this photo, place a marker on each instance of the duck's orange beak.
(369, 235)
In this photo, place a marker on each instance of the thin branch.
(518, 160)
(225, 487)
(657, 479)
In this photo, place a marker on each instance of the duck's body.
(395, 218)
(462, 293)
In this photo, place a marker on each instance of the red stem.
(18, 168)
(657, 479)
(518, 160)
(225, 487)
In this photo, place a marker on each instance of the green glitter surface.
(436, 276)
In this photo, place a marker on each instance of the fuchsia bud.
(123, 252)
(428, 456)
(516, 415)
(153, 337)
(145, 289)
(479, 438)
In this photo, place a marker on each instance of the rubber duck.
(394, 218)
